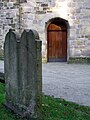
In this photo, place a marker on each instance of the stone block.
(10, 4)
(1, 5)
(23, 1)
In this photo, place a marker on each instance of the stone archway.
(57, 40)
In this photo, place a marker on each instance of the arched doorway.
(57, 41)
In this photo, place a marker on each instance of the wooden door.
(57, 42)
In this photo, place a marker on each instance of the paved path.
(1, 66)
(68, 81)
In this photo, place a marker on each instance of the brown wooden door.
(57, 43)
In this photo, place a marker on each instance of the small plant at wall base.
(52, 109)
(80, 60)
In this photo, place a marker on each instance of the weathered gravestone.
(23, 73)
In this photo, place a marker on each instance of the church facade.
(63, 26)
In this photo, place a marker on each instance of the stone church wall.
(9, 18)
(36, 14)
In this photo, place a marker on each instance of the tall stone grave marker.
(11, 67)
(23, 74)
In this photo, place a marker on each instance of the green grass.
(52, 109)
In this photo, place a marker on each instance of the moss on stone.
(79, 60)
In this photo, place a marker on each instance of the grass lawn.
(52, 109)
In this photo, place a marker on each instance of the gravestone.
(11, 67)
(23, 73)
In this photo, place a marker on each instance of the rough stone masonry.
(38, 14)
(23, 73)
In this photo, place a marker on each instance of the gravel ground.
(67, 81)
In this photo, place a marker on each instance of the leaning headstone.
(27, 72)
(11, 68)
(30, 73)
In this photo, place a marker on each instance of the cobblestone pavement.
(68, 81)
